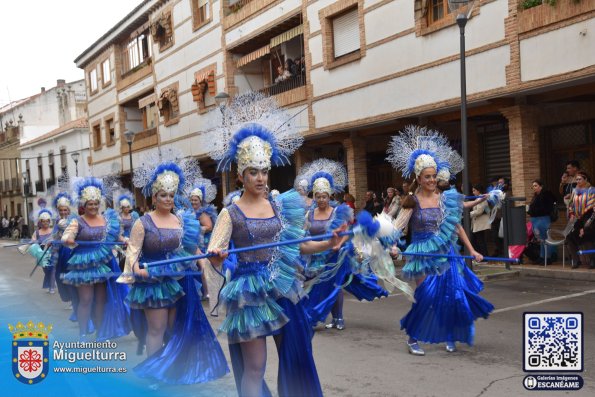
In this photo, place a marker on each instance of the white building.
(46, 158)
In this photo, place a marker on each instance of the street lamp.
(129, 135)
(75, 157)
(463, 9)
(221, 100)
(26, 193)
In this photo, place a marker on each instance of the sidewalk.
(554, 270)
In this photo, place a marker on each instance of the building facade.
(352, 73)
(26, 120)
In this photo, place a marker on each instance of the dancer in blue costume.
(327, 177)
(60, 253)
(91, 267)
(43, 219)
(201, 195)
(446, 304)
(263, 295)
(128, 216)
(171, 303)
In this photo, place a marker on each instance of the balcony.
(39, 187)
(50, 182)
(536, 17)
(236, 11)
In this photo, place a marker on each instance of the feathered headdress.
(417, 148)
(89, 188)
(254, 132)
(124, 198)
(324, 176)
(455, 165)
(165, 169)
(62, 199)
(44, 214)
(232, 198)
(204, 189)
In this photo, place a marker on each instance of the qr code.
(553, 342)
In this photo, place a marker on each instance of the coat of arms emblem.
(30, 351)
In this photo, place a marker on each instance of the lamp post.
(463, 8)
(75, 157)
(129, 135)
(221, 100)
(26, 194)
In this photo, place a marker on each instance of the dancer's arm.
(463, 236)
(220, 238)
(72, 230)
(206, 224)
(314, 247)
(135, 245)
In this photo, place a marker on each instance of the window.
(39, 187)
(138, 51)
(343, 36)
(110, 132)
(106, 73)
(162, 30)
(204, 87)
(201, 13)
(346, 33)
(168, 105)
(97, 136)
(93, 80)
(150, 116)
(437, 10)
(52, 179)
(63, 161)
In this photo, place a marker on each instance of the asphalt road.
(368, 358)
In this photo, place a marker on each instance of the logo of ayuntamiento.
(30, 351)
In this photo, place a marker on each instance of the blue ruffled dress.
(340, 265)
(92, 264)
(192, 354)
(127, 223)
(48, 269)
(263, 296)
(448, 304)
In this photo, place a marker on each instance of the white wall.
(559, 51)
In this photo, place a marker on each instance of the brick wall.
(355, 155)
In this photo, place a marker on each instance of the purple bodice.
(318, 226)
(425, 220)
(42, 238)
(252, 231)
(89, 233)
(126, 226)
(158, 242)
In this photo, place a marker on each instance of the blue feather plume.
(367, 223)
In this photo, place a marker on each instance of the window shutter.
(346, 33)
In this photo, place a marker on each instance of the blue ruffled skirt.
(88, 265)
(154, 294)
(323, 295)
(192, 354)
(446, 306)
(419, 266)
(250, 301)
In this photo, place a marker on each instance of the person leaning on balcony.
(580, 209)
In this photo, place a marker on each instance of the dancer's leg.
(83, 310)
(100, 298)
(254, 354)
(156, 325)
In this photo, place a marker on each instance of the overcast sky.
(40, 40)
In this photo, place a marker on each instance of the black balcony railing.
(39, 186)
(285, 85)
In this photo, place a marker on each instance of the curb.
(530, 271)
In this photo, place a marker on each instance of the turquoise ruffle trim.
(93, 275)
(438, 243)
(143, 295)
